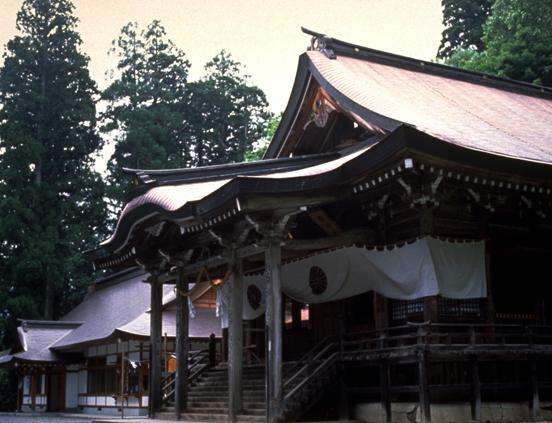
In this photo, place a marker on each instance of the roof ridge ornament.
(320, 42)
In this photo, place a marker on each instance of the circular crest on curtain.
(318, 281)
(254, 296)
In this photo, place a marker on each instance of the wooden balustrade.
(449, 334)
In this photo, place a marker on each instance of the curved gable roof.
(468, 109)
(460, 112)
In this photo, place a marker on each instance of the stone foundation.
(493, 412)
(113, 411)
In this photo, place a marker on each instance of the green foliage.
(145, 105)
(259, 148)
(463, 21)
(226, 114)
(160, 120)
(8, 389)
(518, 42)
(51, 201)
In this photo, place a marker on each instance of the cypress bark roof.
(202, 325)
(466, 113)
(110, 305)
(36, 338)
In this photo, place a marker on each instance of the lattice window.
(458, 309)
(403, 310)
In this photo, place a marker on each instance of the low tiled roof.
(117, 304)
(37, 337)
(202, 325)
(5, 357)
(110, 305)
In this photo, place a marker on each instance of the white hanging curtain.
(423, 268)
(254, 295)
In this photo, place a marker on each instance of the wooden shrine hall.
(387, 260)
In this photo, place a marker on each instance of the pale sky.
(264, 35)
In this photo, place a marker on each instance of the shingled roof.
(202, 325)
(111, 304)
(466, 108)
(117, 305)
(36, 337)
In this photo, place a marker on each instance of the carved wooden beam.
(346, 238)
(277, 202)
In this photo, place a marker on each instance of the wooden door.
(56, 392)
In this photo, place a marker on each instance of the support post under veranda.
(274, 328)
(235, 336)
(423, 387)
(534, 399)
(155, 394)
(182, 346)
(476, 389)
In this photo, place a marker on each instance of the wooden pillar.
(344, 412)
(224, 345)
(212, 350)
(274, 329)
(155, 394)
(423, 387)
(182, 347)
(476, 390)
(381, 312)
(296, 315)
(385, 390)
(431, 309)
(235, 339)
(33, 389)
(20, 383)
(490, 309)
(534, 401)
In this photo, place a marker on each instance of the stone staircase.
(208, 397)
(304, 382)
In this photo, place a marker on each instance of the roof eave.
(300, 84)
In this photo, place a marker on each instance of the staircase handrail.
(167, 381)
(197, 363)
(319, 369)
(308, 364)
(250, 349)
(307, 356)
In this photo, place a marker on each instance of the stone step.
(221, 404)
(245, 369)
(257, 398)
(223, 390)
(224, 410)
(225, 377)
(200, 417)
(245, 383)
